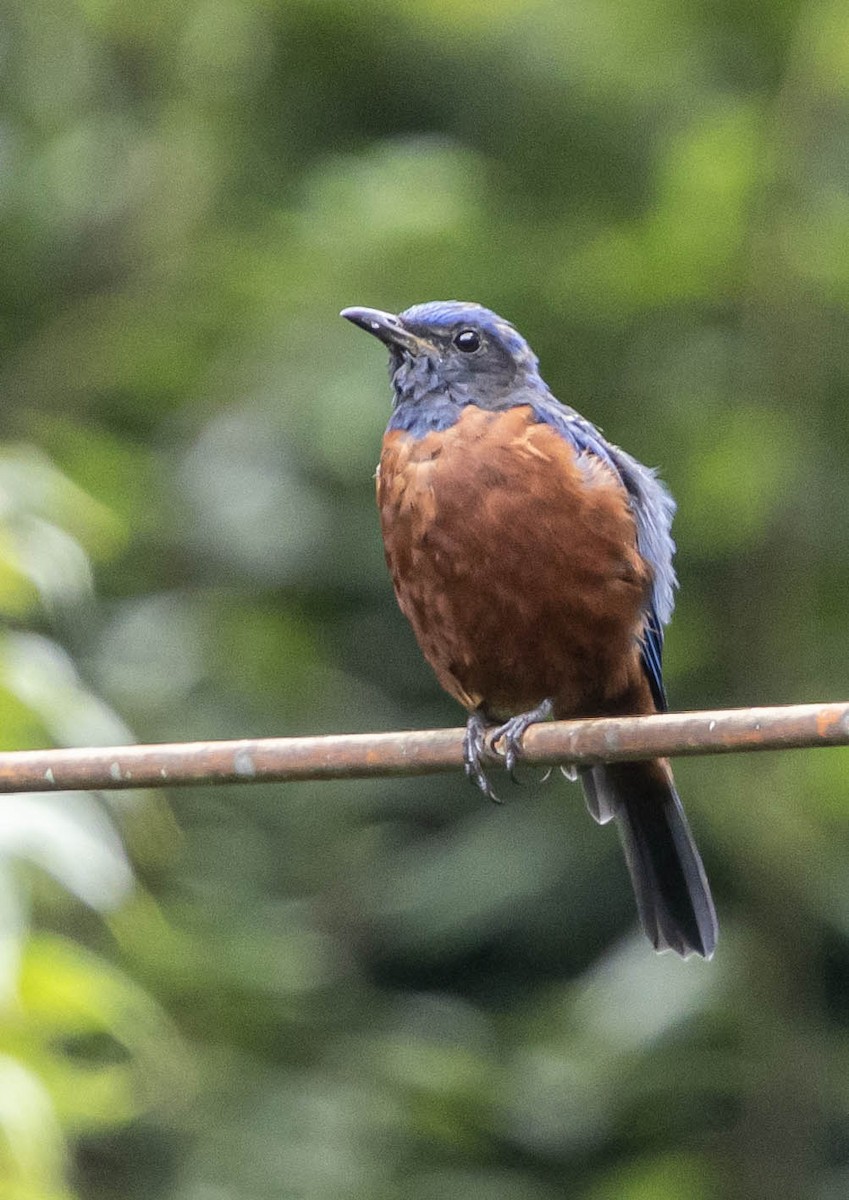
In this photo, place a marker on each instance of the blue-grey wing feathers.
(653, 510)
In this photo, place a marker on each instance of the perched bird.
(533, 559)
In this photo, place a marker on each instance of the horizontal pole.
(368, 755)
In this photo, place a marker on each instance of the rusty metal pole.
(357, 756)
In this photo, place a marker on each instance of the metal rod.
(357, 756)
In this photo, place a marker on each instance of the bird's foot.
(475, 750)
(483, 740)
(509, 735)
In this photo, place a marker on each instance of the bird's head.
(451, 345)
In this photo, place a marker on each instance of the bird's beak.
(387, 328)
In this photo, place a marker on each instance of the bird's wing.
(653, 509)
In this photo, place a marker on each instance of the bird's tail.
(673, 896)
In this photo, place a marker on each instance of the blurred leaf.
(679, 1176)
(42, 675)
(33, 1154)
(71, 837)
(66, 992)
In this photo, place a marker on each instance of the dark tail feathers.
(673, 896)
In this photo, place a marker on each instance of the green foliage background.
(374, 991)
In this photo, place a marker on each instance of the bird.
(533, 559)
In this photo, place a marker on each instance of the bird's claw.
(475, 750)
(509, 737)
(567, 770)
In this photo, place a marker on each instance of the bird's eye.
(468, 341)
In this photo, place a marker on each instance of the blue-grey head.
(451, 346)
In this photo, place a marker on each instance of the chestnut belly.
(515, 560)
